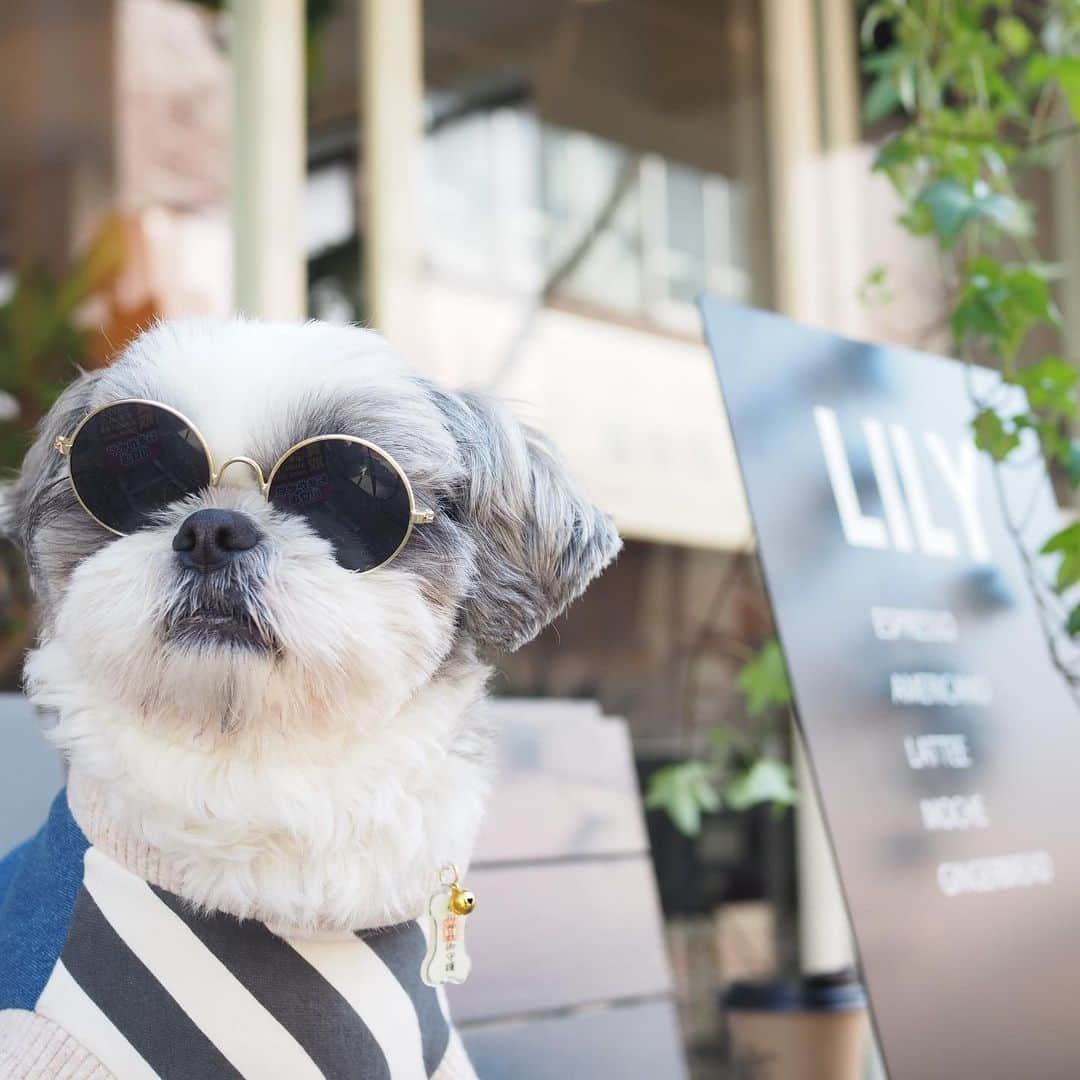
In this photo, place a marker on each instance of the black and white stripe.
(154, 989)
(403, 949)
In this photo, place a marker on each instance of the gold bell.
(462, 901)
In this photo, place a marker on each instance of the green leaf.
(882, 99)
(708, 798)
(1072, 625)
(994, 435)
(899, 150)
(950, 206)
(1007, 214)
(1002, 304)
(953, 207)
(1014, 35)
(685, 813)
(1052, 440)
(1066, 543)
(1064, 540)
(917, 219)
(764, 681)
(993, 156)
(766, 780)
(905, 88)
(1050, 385)
(875, 289)
(684, 791)
(1065, 71)
(1072, 463)
(901, 159)
(1068, 573)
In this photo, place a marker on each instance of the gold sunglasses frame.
(64, 443)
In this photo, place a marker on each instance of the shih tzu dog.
(271, 564)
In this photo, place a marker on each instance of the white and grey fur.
(315, 772)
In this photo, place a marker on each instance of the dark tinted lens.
(350, 494)
(130, 460)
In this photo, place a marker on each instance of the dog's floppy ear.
(539, 541)
(24, 501)
(7, 512)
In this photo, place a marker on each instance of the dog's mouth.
(220, 621)
(212, 628)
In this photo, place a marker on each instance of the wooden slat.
(566, 785)
(508, 708)
(559, 934)
(631, 1042)
(30, 772)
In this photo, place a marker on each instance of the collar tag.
(447, 959)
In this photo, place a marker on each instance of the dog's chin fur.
(296, 743)
(339, 823)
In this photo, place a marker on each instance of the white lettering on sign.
(933, 539)
(950, 813)
(961, 478)
(939, 688)
(892, 499)
(859, 529)
(914, 624)
(937, 751)
(996, 873)
(908, 522)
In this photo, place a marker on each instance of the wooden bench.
(570, 979)
(30, 772)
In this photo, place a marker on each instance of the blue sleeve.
(9, 864)
(39, 882)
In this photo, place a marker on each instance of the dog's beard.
(219, 652)
(283, 640)
(207, 682)
(225, 610)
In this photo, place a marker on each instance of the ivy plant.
(980, 96)
(741, 769)
(43, 339)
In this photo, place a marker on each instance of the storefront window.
(623, 185)
(509, 199)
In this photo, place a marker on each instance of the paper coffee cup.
(815, 1029)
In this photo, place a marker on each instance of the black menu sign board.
(945, 745)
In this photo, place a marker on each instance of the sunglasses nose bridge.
(253, 465)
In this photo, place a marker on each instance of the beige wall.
(57, 136)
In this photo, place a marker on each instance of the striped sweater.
(104, 975)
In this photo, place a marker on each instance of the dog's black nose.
(210, 538)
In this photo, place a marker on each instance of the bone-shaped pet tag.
(447, 959)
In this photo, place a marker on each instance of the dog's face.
(279, 633)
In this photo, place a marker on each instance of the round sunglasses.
(130, 459)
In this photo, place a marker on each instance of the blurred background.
(525, 196)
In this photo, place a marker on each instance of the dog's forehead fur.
(255, 389)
